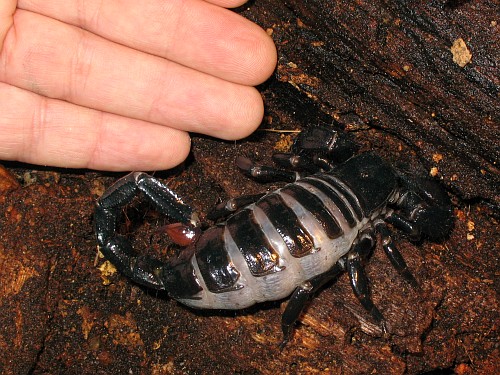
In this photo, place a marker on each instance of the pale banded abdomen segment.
(264, 251)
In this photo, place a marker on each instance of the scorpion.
(290, 242)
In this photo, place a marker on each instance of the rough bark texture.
(390, 66)
(382, 70)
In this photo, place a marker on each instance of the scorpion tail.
(176, 276)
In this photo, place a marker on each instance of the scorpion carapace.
(289, 242)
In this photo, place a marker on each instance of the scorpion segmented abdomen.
(215, 266)
(265, 250)
(296, 238)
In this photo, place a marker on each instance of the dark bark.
(389, 66)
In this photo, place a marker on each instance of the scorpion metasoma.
(288, 242)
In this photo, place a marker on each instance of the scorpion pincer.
(292, 241)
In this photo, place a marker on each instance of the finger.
(227, 3)
(193, 33)
(39, 130)
(84, 69)
(7, 9)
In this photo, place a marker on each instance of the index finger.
(193, 33)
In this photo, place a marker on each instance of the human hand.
(117, 84)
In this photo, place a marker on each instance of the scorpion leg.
(265, 173)
(312, 151)
(224, 209)
(316, 147)
(357, 276)
(394, 255)
(300, 162)
(144, 270)
(406, 225)
(301, 297)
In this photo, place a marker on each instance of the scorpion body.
(288, 242)
(287, 237)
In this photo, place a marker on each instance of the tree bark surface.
(424, 71)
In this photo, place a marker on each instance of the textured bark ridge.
(426, 72)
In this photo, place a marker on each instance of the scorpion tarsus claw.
(244, 163)
(283, 344)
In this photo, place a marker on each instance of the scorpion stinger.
(291, 241)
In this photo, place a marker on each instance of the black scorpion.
(288, 242)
